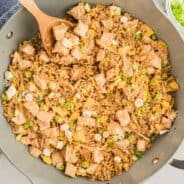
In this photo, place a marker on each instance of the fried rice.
(96, 104)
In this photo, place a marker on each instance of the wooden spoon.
(45, 23)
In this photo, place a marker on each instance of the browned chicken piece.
(24, 64)
(44, 57)
(76, 53)
(32, 107)
(56, 158)
(92, 168)
(59, 31)
(98, 156)
(51, 141)
(18, 129)
(122, 145)
(70, 154)
(100, 79)
(51, 132)
(141, 145)
(19, 119)
(45, 116)
(123, 117)
(28, 50)
(166, 122)
(155, 61)
(70, 170)
(25, 140)
(108, 23)
(100, 55)
(60, 48)
(85, 121)
(115, 129)
(35, 152)
(106, 39)
(40, 82)
(172, 115)
(81, 29)
(78, 11)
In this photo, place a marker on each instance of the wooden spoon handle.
(31, 6)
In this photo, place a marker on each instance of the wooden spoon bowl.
(45, 23)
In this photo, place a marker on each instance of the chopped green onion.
(158, 96)
(28, 74)
(61, 101)
(87, 7)
(138, 35)
(117, 11)
(69, 105)
(28, 124)
(134, 66)
(57, 119)
(85, 164)
(154, 37)
(111, 144)
(72, 123)
(60, 167)
(52, 86)
(18, 137)
(138, 154)
(153, 137)
(4, 97)
(128, 135)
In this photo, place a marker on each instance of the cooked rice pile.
(97, 103)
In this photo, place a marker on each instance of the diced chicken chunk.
(122, 145)
(40, 82)
(98, 156)
(70, 154)
(23, 64)
(92, 168)
(51, 141)
(18, 129)
(70, 170)
(84, 121)
(107, 23)
(51, 132)
(45, 116)
(123, 117)
(19, 119)
(100, 55)
(127, 67)
(141, 145)
(60, 48)
(100, 79)
(115, 129)
(156, 61)
(76, 53)
(106, 39)
(56, 158)
(167, 122)
(25, 140)
(172, 115)
(78, 11)
(28, 50)
(44, 57)
(16, 58)
(35, 152)
(32, 107)
(81, 29)
(59, 31)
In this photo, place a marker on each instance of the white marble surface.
(166, 175)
